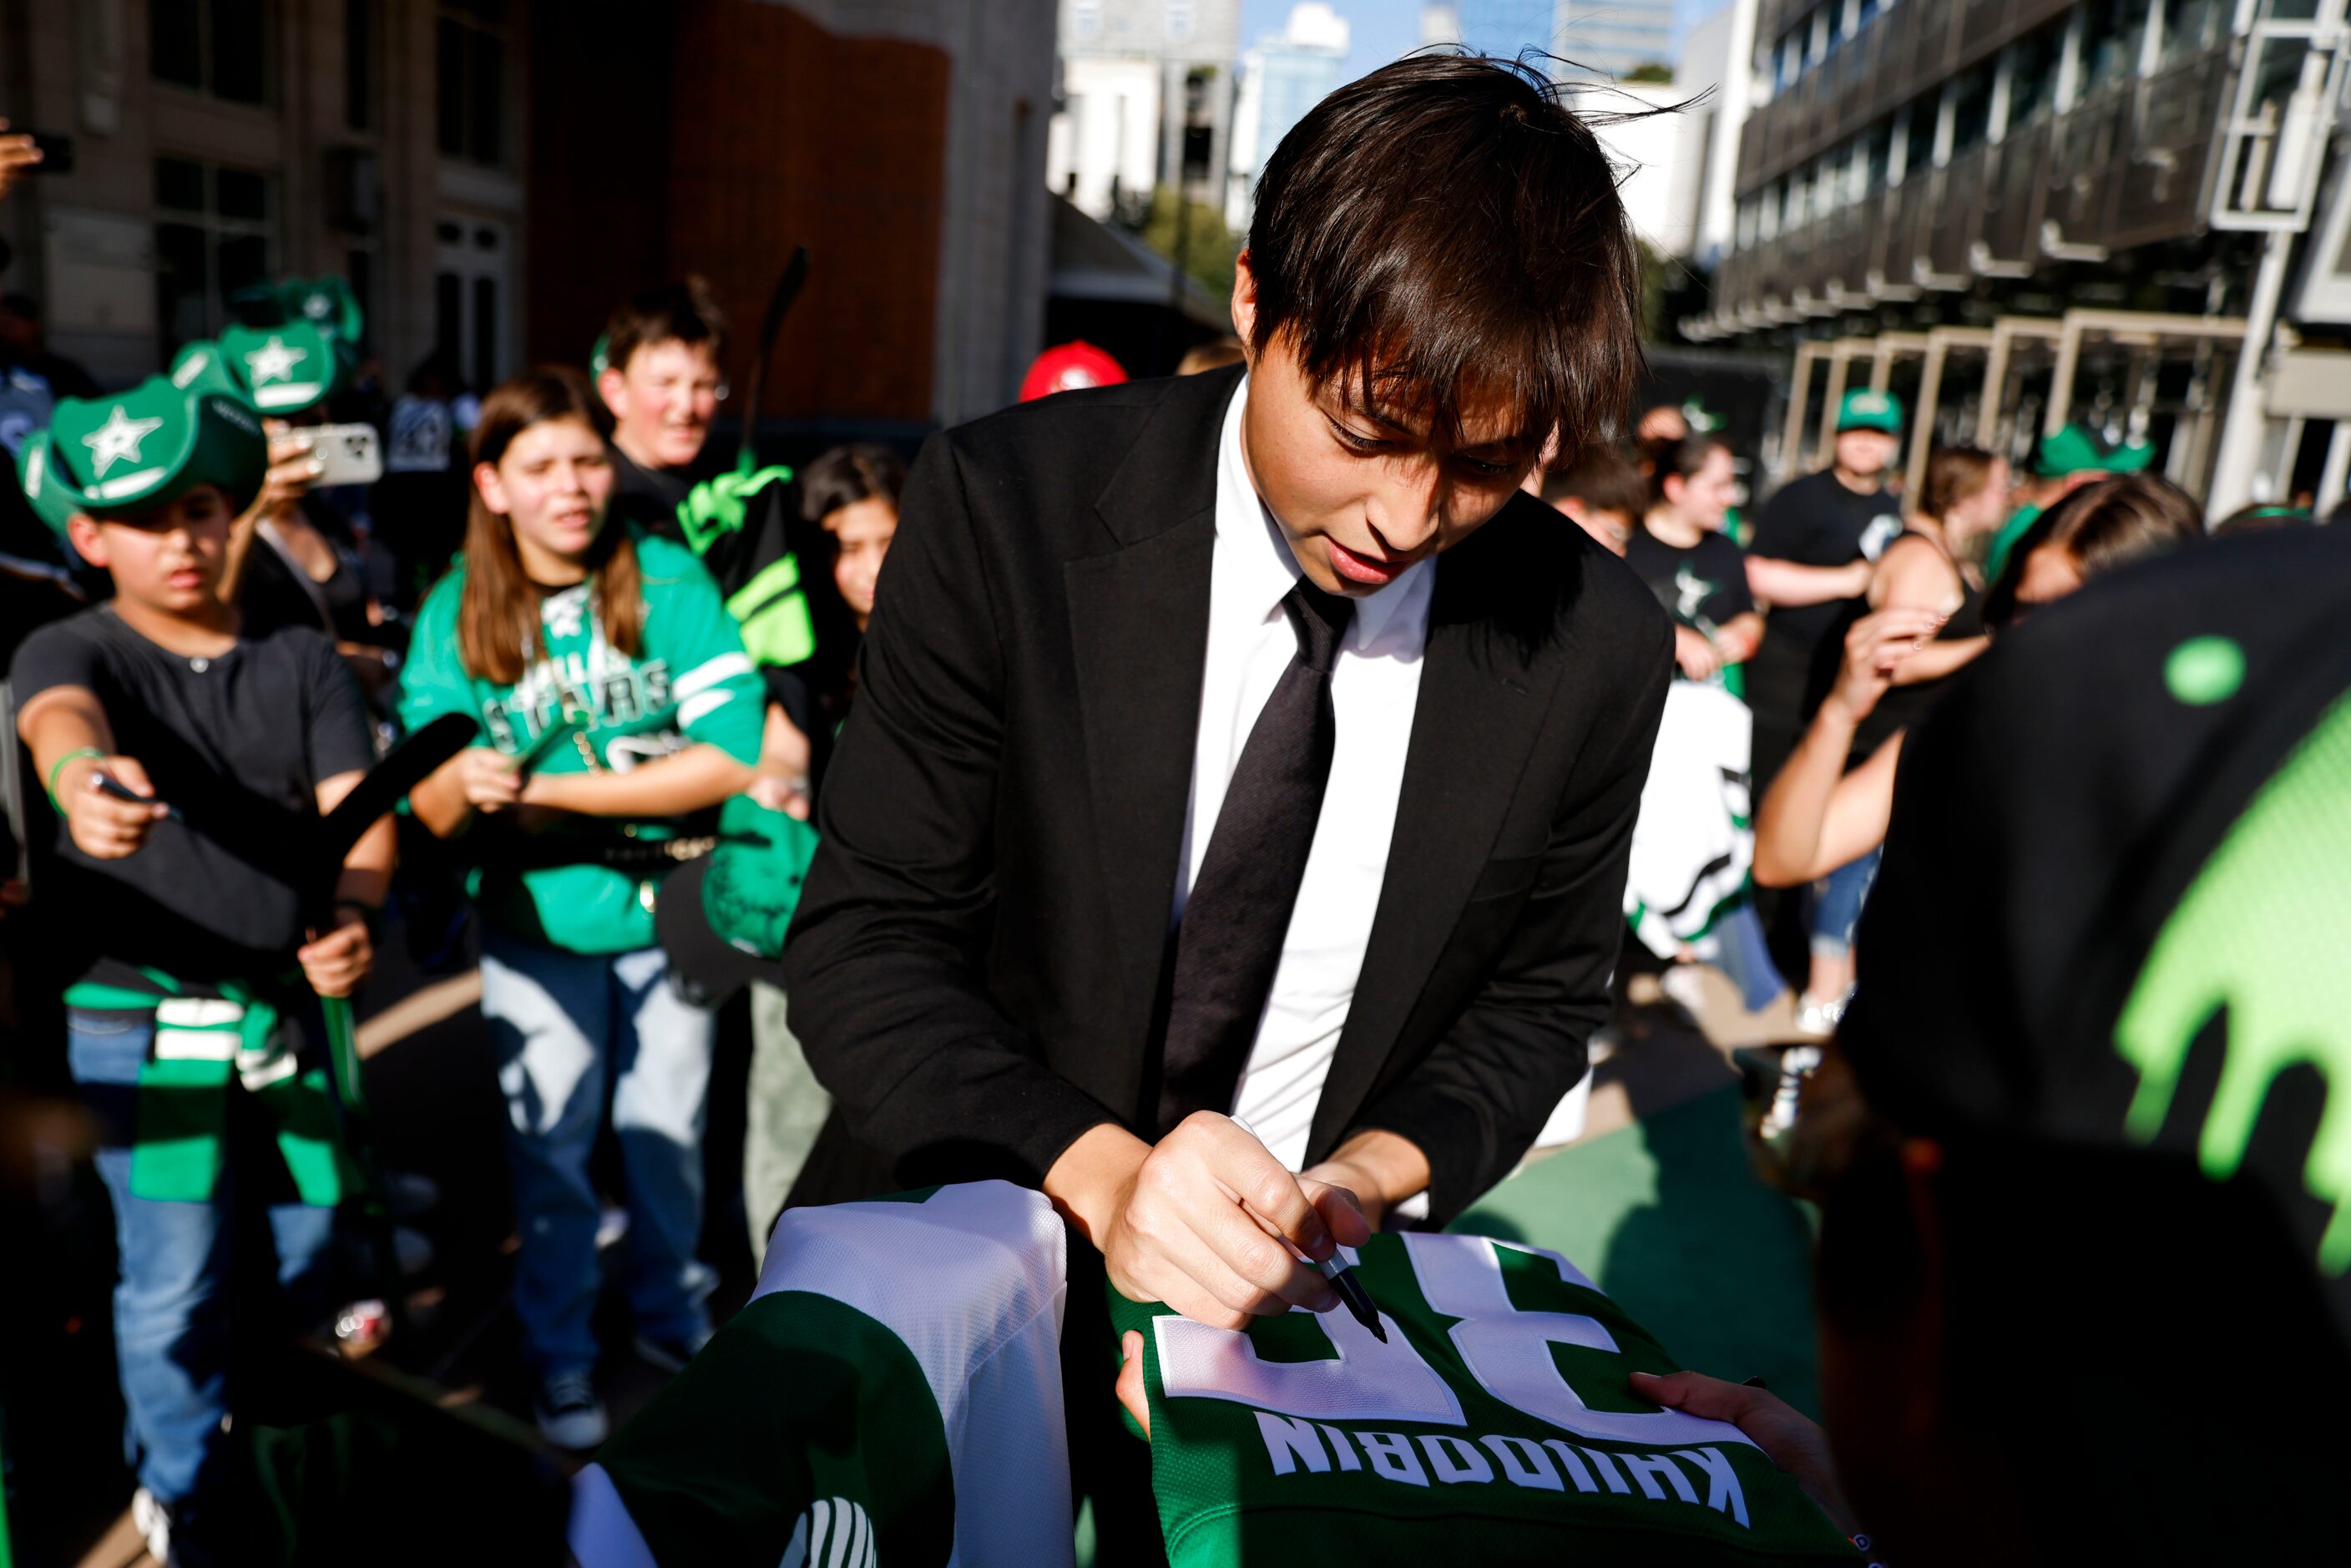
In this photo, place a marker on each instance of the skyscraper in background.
(1615, 38)
(1282, 77)
(1587, 38)
(1507, 28)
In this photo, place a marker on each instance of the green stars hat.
(48, 492)
(200, 366)
(286, 370)
(326, 303)
(1869, 409)
(141, 448)
(2078, 449)
(722, 918)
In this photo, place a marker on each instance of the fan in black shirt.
(1810, 560)
(1696, 573)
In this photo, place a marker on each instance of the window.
(2112, 32)
(1877, 157)
(358, 64)
(215, 47)
(1970, 109)
(1179, 21)
(470, 72)
(2190, 26)
(1835, 11)
(216, 233)
(1087, 16)
(2032, 75)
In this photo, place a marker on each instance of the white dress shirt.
(1375, 687)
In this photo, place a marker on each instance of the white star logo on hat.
(274, 361)
(118, 439)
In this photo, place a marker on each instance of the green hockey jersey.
(1496, 1426)
(891, 1397)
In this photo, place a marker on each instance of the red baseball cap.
(1065, 367)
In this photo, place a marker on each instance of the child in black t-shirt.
(1696, 573)
(187, 763)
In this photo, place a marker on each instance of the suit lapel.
(1139, 630)
(1482, 700)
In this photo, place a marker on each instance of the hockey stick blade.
(403, 768)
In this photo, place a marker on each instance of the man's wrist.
(1088, 1182)
(1393, 1164)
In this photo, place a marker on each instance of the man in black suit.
(1184, 779)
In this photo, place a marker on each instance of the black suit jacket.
(973, 966)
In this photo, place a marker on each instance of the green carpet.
(1668, 1218)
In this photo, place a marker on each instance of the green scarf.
(198, 1044)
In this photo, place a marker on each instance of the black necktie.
(1229, 940)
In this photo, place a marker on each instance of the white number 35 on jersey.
(1505, 1349)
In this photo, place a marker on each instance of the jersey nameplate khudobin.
(1497, 1424)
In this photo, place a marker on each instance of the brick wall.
(717, 145)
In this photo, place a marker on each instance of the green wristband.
(76, 755)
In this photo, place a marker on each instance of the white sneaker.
(151, 1518)
(569, 1414)
(1818, 1020)
(1686, 988)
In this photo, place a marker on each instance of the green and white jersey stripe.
(892, 1396)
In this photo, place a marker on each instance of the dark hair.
(2105, 524)
(848, 475)
(1213, 355)
(1445, 229)
(685, 312)
(1954, 474)
(1680, 459)
(499, 627)
(1604, 479)
(2261, 515)
(21, 305)
(437, 368)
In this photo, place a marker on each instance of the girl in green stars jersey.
(614, 701)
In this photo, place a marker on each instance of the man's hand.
(337, 963)
(489, 779)
(1697, 657)
(17, 158)
(1788, 1439)
(1129, 1388)
(1873, 648)
(103, 826)
(1206, 1221)
(789, 796)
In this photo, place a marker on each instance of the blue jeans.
(170, 1300)
(567, 1027)
(1837, 899)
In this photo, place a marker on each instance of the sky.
(1384, 30)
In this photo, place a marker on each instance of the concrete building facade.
(2021, 212)
(1192, 46)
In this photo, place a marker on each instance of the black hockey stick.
(402, 769)
(780, 304)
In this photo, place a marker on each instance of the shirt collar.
(1253, 566)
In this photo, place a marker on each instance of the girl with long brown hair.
(615, 704)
